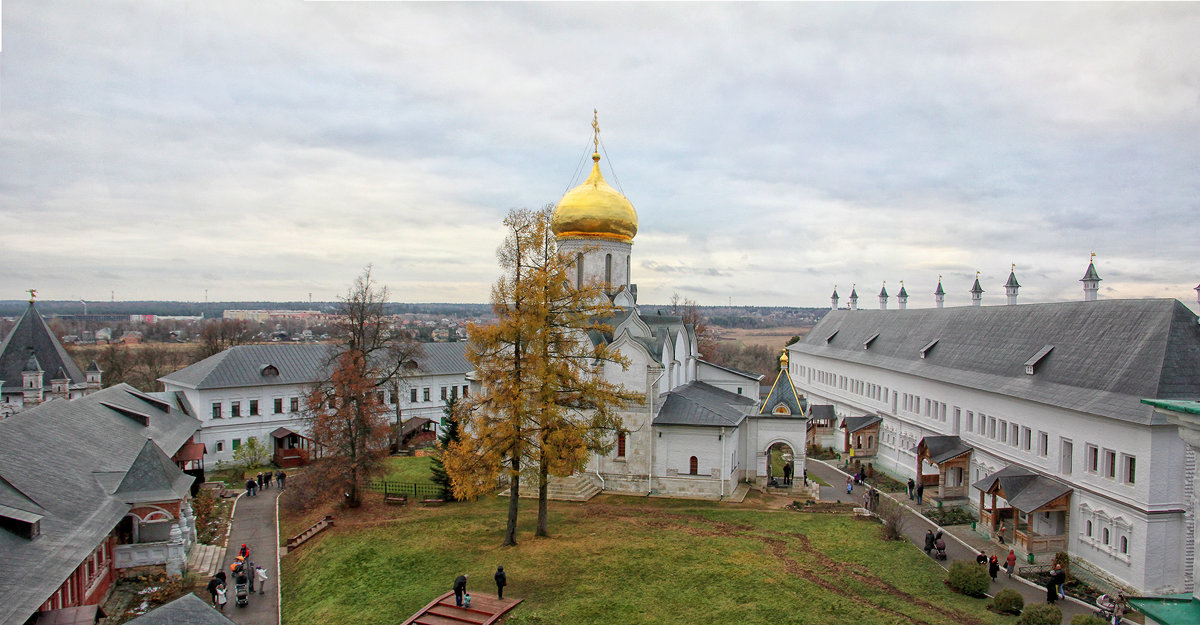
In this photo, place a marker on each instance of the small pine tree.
(1040, 614)
(450, 433)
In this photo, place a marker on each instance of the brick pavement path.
(254, 526)
(915, 527)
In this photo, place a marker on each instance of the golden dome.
(594, 210)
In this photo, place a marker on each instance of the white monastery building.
(258, 391)
(1032, 415)
(701, 432)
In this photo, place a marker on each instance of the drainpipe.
(650, 420)
(723, 443)
(603, 485)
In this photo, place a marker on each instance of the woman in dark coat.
(1057, 577)
(501, 582)
(993, 567)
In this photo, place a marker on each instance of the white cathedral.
(701, 431)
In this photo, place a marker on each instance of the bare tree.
(219, 334)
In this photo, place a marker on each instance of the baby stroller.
(939, 549)
(241, 589)
(1110, 609)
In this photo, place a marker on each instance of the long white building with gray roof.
(257, 391)
(1031, 415)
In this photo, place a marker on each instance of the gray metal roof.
(69, 458)
(821, 411)
(702, 404)
(943, 448)
(297, 363)
(745, 374)
(1090, 274)
(32, 337)
(854, 424)
(1025, 490)
(186, 610)
(1107, 356)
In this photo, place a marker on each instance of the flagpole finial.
(32, 294)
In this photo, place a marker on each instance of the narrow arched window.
(870, 441)
(1089, 528)
(620, 444)
(1124, 545)
(579, 270)
(628, 271)
(693, 466)
(1106, 535)
(608, 272)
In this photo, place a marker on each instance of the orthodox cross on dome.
(32, 294)
(596, 127)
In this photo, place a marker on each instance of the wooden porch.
(484, 610)
(952, 458)
(1028, 494)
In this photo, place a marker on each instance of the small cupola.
(939, 295)
(1010, 287)
(1091, 281)
(902, 297)
(883, 297)
(853, 297)
(833, 299)
(976, 292)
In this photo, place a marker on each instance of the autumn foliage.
(544, 406)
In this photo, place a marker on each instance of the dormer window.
(928, 346)
(269, 371)
(867, 343)
(829, 339)
(1032, 363)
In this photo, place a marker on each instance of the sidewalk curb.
(278, 577)
(956, 538)
(229, 527)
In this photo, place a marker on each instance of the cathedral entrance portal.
(781, 465)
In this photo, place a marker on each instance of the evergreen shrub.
(1088, 619)
(1041, 614)
(968, 578)
(1008, 601)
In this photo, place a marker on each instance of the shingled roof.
(78, 465)
(32, 337)
(1107, 354)
(702, 404)
(783, 392)
(186, 610)
(296, 363)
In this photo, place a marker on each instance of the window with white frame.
(1092, 458)
(1110, 464)
(992, 427)
(1128, 469)
(1043, 444)
(1066, 457)
(1003, 427)
(970, 421)
(1026, 438)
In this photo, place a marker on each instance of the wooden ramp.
(484, 610)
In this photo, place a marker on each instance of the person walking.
(806, 476)
(250, 576)
(258, 479)
(920, 493)
(993, 567)
(267, 479)
(911, 488)
(221, 598)
(849, 484)
(787, 474)
(1010, 563)
(501, 582)
(260, 574)
(279, 476)
(250, 488)
(929, 540)
(460, 588)
(1003, 529)
(213, 584)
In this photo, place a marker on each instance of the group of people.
(935, 545)
(993, 563)
(245, 575)
(916, 491)
(263, 480)
(463, 600)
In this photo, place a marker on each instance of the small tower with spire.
(32, 391)
(902, 297)
(883, 297)
(93, 375)
(976, 292)
(853, 297)
(1010, 287)
(833, 299)
(60, 384)
(1091, 281)
(939, 295)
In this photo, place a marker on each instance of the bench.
(392, 498)
(432, 502)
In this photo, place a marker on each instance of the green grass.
(625, 560)
(413, 469)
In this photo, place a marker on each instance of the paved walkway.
(254, 526)
(915, 527)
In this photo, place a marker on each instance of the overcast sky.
(268, 150)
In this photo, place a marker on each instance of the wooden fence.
(412, 489)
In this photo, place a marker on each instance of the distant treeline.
(12, 308)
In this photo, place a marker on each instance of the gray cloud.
(272, 149)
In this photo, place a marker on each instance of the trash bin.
(1029, 557)
(939, 504)
(972, 526)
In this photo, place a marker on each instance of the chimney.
(902, 297)
(976, 292)
(853, 298)
(1091, 281)
(939, 296)
(1010, 287)
(883, 297)
(833, 299)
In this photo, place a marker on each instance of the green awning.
(1181, 609)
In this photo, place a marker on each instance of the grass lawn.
(407, 469)
(623, 560)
